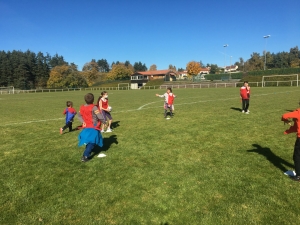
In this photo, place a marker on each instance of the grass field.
(210, 164)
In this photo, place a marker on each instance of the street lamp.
(266, 37)
(225, 56)
(230, 69)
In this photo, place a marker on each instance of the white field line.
(143, 107)
(32, 121)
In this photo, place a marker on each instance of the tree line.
(29, 70)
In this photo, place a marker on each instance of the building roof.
(154, 72)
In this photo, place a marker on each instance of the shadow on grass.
(269, 155)
(236, 109)
(288, 110)
(115, 124)
(107, 142)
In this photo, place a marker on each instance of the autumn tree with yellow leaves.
(193, 68)
(119, 72)
(65, 76)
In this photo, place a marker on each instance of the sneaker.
(84, 159)
(243, 111)
(61, 131)
(102, 131)
(247, 112)
(295, 178)
(108, 130)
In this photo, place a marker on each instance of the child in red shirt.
(105, 110)
(245, 96)
(70, 113)
(169, 100)
(91, 118)
(295, 128)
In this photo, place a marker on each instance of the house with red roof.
(232, 68)
(139, 79)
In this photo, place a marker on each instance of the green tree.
(103, 65)
(214, 69)
(171, 67)
(256, 62)
(57, 60)
(138, 67)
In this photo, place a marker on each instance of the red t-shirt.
(245, 92)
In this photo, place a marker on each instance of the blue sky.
(160, 32)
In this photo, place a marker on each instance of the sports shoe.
(247, 112)
(84, 159)
(102, 131)
(108, 130)
(295, 178)
(61, 131)
(243, 111)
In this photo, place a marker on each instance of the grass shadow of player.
(269, 155)
(236, 109)
(288, 110)
(115, 124)
(107, 142)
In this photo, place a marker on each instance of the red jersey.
(104, 103)
(245, 92)
(171, 98)
(88, 116)
(295, 115)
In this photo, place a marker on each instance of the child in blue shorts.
(91, 119)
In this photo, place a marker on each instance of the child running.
(91, 118)
(105, 109)
(169, 99)
(70, 113)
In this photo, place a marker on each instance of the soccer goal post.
(7, 90)
(123, 85)
(280, 79)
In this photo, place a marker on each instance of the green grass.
(210, 164)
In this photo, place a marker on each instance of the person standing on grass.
(70, 113)
(91, 119)
(169, 100)
(245, 96)
(295, 128)
(105, 110)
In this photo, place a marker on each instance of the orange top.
(295, 115)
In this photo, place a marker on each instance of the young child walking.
(91, 119)
(169, 100)
(105, 110)
(70, 113)
(295, 116)
(245, 96)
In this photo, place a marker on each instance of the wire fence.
(164, 86)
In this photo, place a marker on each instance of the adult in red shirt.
(245, 95)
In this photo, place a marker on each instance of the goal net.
(7, 90)
(123, 86)
(280, 80)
